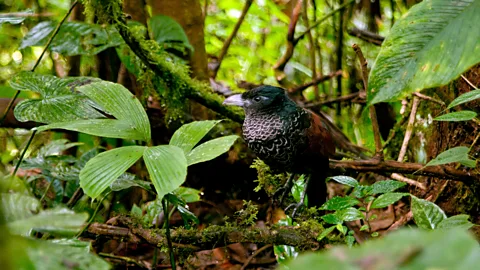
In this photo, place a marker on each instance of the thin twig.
(93, 215)
(258, 251)
(123, 258)
(227, 43)
(315, 81)
(422, 96)
(471, 84)
(349, 97)
(328, 15)
(366, 36)
(373, 113)
(409, 131)
(313, 62)
(409, 181)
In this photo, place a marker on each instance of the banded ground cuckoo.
(287, 137)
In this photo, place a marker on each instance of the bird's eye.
(257, 99)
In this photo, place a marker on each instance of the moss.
(266, 179)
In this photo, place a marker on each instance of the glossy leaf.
(464, 98)
(53, 221)
(210, 149)
(101, 171)
(422, 50)
(427, 215)
(325, 232)
(127, 180)
(456, 154)
(349, 214)
(189, 195)
(189, 135)
(109, 128)
(167, 166)
(455, 222)
(119, 102)
(47, 255)
(456, 116)
(446, 249)
(71, 39)
(346, 180)
(58, 101)
(385, 186)
(338, 203)
(386, 199)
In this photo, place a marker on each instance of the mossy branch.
(174, 76)
(303, 237)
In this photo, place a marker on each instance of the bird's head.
(261, 99)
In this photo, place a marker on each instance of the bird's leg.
(286, 188)
(298, 205)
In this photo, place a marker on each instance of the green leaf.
(445, 249)
(456, 116)
(385, 186)
(167, 30)
(14, 18)
(427, 215)
(16, 206)
(455, 222)
(346, 180)
(456, 154)
(74, 38)
(332, 219)
(349, 214)
(211, 149)
(422, 50)
(108, 128)
(127, 180)
(386, 199)
(338, 203)
(187, 216)
(54, 221)
(58, 101)
(101, 171)
(189, 195)
(187, 136)
(464, 98)
(47, 255)
(325, 232)
(119, 102)
(167, 166)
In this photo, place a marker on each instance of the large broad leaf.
(456, 154)
(119, 102)
(187, 136)
(404, 249)
(109, 128)
(167, 30)
(167, 166)
(54, 221)
(385, 186)
(74, 38)
(211, 149)
(423, 49)
(427, 215)
(100, 171)
(58, 101)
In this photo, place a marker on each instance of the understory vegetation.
(116, 150)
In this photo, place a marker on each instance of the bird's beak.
(235, 100)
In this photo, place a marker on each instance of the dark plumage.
(286, 137)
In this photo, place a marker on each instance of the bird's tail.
(317, 189)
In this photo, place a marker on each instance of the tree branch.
(303, 237)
